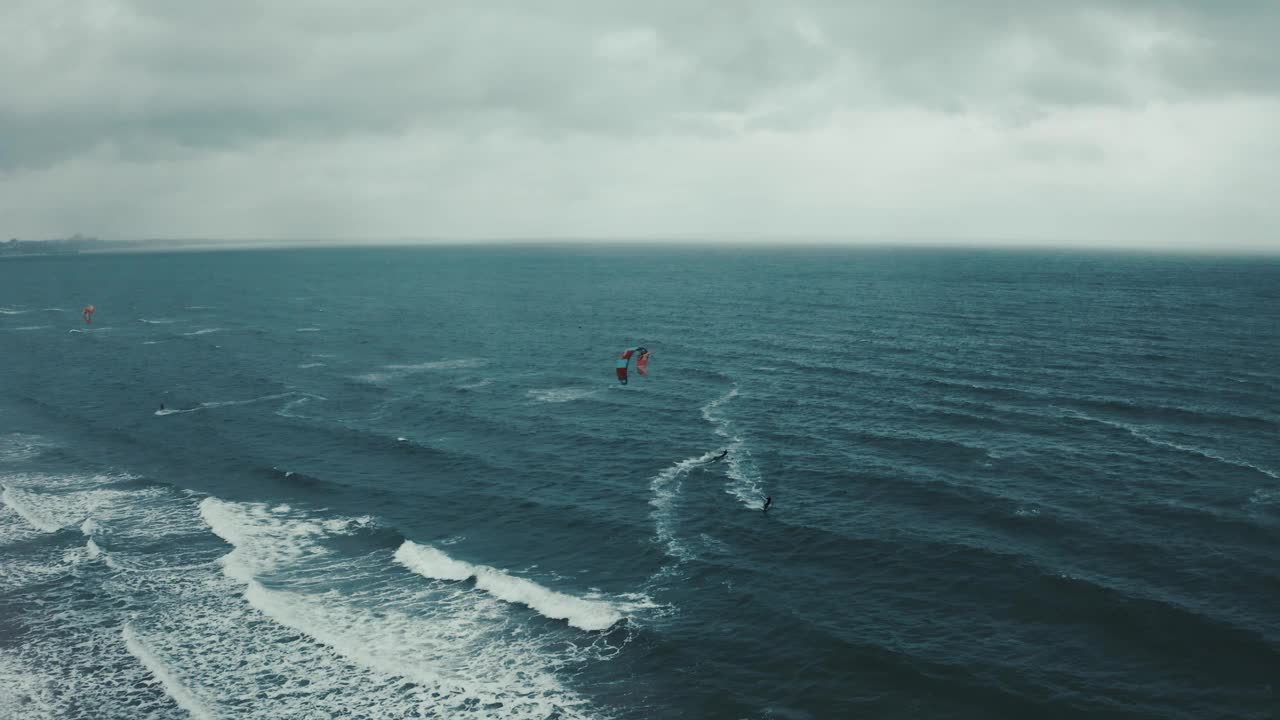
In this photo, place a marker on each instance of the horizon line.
(692, 240)
(689, 240)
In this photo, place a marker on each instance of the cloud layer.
(1136, 123)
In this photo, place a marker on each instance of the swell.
(293, 478)
(355, 438)
(1167, 633)
(582, 613)
(970, 689)
(1026, 584)
(364, 435)
(1003, 387)
(877, 673)
(1146, 437)
(1177, 415)
(922, 448)
(1234, 529)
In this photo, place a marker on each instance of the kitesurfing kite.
(624, 361)
(88, 314)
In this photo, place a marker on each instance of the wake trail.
(665, 490)
(666, 487)
(230, 403)
(744, 475)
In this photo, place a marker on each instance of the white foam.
(49, 503)
(31, 327)
(267, 539)
(77, 642)
(162, 321)
(26, 693)
(20, 572)
(305, 366)
(166, 674)
(151, 342)
(16, 447)
(430, 562)
(198, 307)
(457, 644)
(197, 646)
(205, 331)
(578, 612)
(309, 329)
(474, 385)
(30, 509)
(327, 635)
(559, 395)
(12, 311)
(455, 655)
(13, 528)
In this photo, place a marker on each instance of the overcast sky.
(1091, 123)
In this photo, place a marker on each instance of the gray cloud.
(613, 101)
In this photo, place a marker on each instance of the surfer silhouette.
(720, 457)
(768, 500)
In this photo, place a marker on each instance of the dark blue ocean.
(404, 483)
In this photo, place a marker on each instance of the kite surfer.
(720, 457)
(768, 500)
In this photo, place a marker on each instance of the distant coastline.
(73, 245)
(81, 245)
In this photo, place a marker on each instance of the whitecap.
(581, 613)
